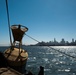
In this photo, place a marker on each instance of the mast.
(8, 22)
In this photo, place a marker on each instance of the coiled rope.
(57, 50)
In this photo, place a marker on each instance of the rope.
(8, 22)
(32, 38)
(61, 52)
(51, 47)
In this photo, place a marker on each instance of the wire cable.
(8, 22)
(51, 47)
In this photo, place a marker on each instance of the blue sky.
(46, 19)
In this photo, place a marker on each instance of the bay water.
(54, 63)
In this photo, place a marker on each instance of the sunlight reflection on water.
(54, 62)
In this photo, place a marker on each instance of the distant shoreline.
(51, 45)
(40, 45)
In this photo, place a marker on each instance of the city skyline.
(62, 39)
(54, 42)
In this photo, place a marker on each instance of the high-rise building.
(62, 41)
(72, 40)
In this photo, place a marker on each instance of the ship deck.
(8, 71)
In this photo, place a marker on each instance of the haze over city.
(45, 19)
